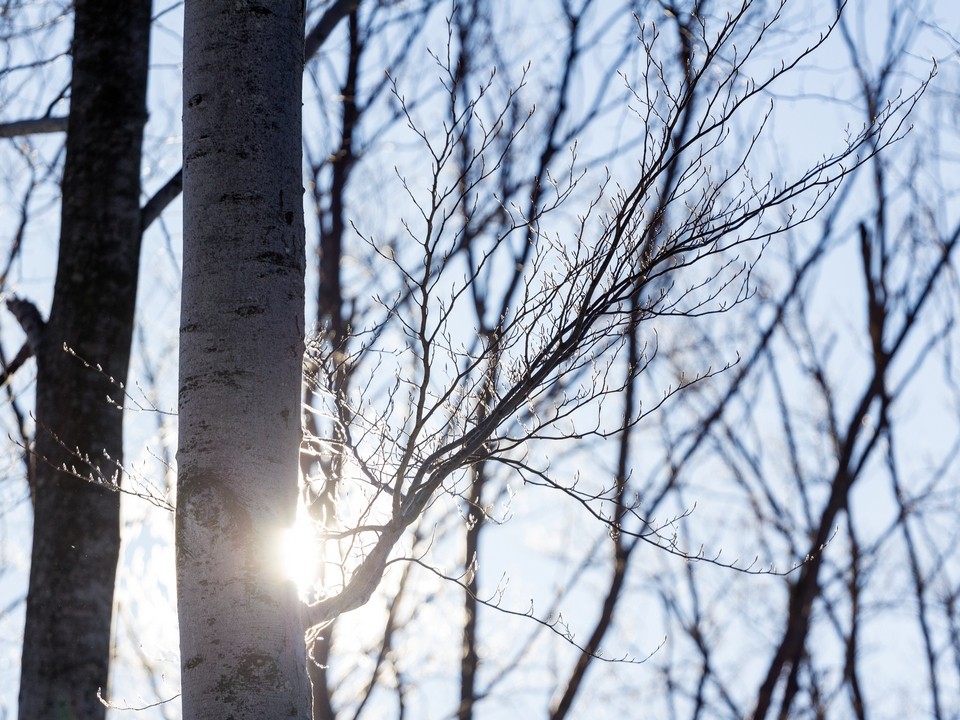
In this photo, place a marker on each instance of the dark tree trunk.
(76, 535)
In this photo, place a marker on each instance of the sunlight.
(300, 553)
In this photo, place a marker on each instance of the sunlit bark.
(241, 350)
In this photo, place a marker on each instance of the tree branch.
(34, 126)
(163, 197)
(31, 321)
(325, 25)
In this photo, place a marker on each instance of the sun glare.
(300, 554)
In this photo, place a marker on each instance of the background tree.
(78, 446)
(429, 282)
(690, 604)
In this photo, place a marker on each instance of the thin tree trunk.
(241, 350)
(76, 532)
(470, 657)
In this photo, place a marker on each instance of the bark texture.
(76, 534)
(241, 352)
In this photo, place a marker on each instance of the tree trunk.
(76, 531)
(241, 351)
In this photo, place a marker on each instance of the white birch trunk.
(241, 348)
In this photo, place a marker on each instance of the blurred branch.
(35, 126)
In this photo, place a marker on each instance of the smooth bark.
(76, 534)
(241, 350)
(171, 190)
